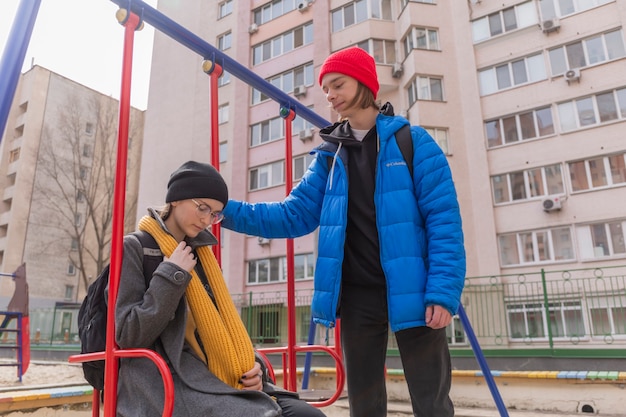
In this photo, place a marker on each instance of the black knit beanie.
(196, 180)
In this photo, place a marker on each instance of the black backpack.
(92, 316)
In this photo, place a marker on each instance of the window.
(225, 41)
(86, 150)
(597, 173)
(528, 321)
(601, 240)
(223, 152)
(80, 196)
(529, 184)
(608, 316)
(71, 269)
(425, 88)
(14, 155)
(384, 52)
(455, 332)
(223, 79)
(225, 8)
(222, 113)
(511, 74)
(271, 270)
(359, 11)
(300, 165)
(267, 176)
(69, 292)
(421, 38)
(405, 2)
(287, 81)
(441, 137)
(601, 108)
(74, 244)
(587, 52)
(19, 131)
(504, 21)
(531, 124)
(89, 129)
(83, 171)
(282, 44)
(272, 10)
(551, 9)
(536, 247)
(267, 131)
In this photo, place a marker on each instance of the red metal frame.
(112, 353)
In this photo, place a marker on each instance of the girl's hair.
(165, 211)
(364, 98)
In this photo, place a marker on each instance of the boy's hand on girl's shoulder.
(437, 317)
(183, 257)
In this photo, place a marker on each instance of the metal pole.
(177, 32)
(482, 362)
(13, 56)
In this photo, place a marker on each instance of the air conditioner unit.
(550, 25)
(551, 203)
(253, 28)
(299, 90)
(572, 75)
(397, 70)
(306, 134)
(263, 241)
(303, 6)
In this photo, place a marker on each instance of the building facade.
(527, 98)
(56, 180)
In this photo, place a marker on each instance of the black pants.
(294, 407)
(423, 351)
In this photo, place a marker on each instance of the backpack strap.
(405, 143)
(152, 255)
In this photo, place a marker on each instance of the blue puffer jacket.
(419, 225)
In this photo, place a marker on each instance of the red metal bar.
(214, 70)
(168, 383)
(130, 22)
(291, 280)
(311, 348)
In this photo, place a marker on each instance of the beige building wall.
(40, 150)
(177, 125)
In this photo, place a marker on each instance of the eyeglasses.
(203, 210)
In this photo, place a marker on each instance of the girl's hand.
(183, 257)
(252, 380)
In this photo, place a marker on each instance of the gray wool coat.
(155, 318)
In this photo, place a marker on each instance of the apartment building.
(527, 98)
(56, 181)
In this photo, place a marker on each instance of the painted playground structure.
(14, 323)
(132, 15)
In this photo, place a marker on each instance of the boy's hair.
(364, 98)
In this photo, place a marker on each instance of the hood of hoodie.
(341, 132)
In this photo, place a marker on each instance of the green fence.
(582, 309)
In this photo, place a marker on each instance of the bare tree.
(75, 181)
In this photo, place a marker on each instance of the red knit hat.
(354, 62)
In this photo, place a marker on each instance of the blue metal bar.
(308, 357)
(13, 56)
(177, 32)
(482, 362)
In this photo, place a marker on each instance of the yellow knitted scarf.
(228, 347)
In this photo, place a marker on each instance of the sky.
(82, 40)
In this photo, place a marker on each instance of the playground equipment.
(17, 313)
(131, 15)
